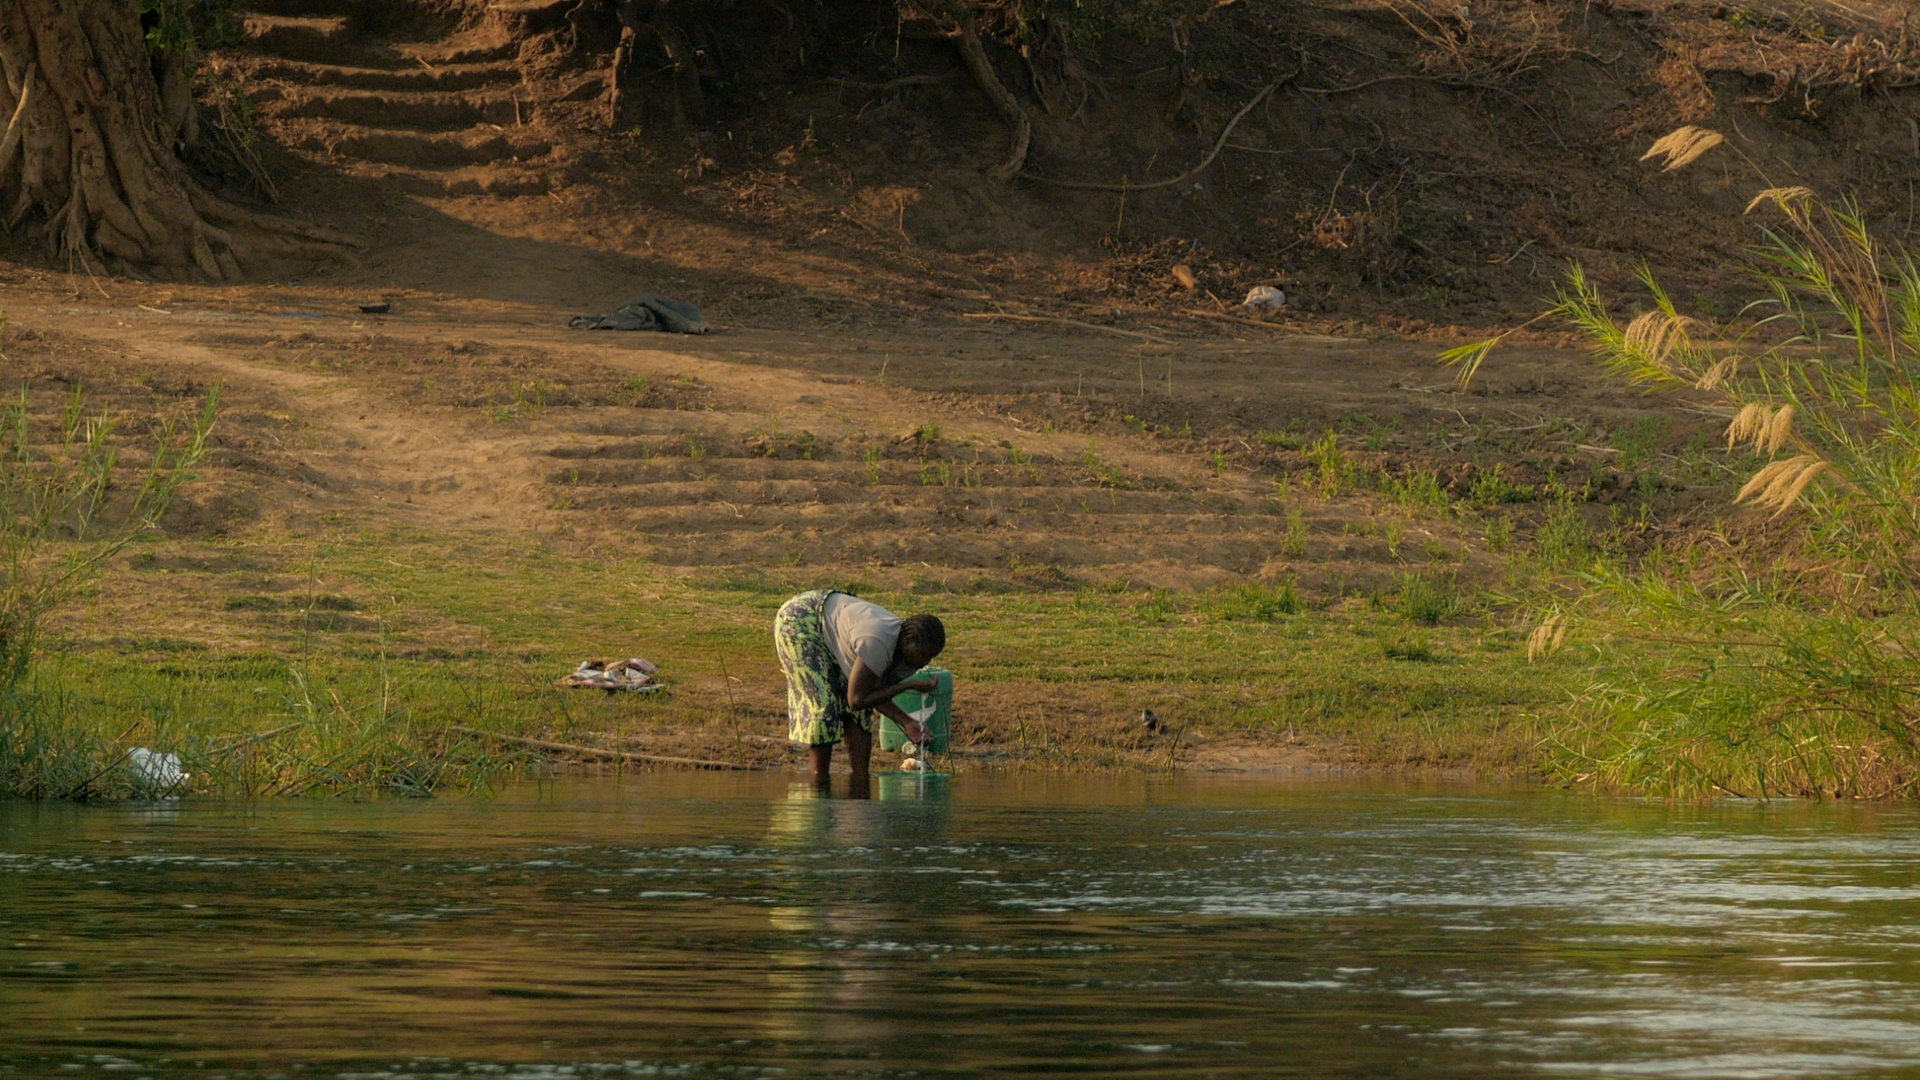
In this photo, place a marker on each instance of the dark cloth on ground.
(645, 313)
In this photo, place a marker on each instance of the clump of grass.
(1428, 600)
(1294, 543)
(1334, 472)
(1564, 540)
(1784, 668)
(1257, 601)
(1156, 608)
(66, 508)
(1490, 487)
(1499, 533)
(1418, 490)
(1103, 473)
(1417, 647)
(331, 733)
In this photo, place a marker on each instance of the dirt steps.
(421, 110)
(445, 78)
(946, 513)
(322, 37)
(435, 115)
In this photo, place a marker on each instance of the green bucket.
(914, 703)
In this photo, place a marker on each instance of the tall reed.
(1787, 647)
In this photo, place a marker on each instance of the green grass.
(395, 636)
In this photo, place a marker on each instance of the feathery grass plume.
(1793, 200)
(1657, 336)
(1683, 146)
(1778, 429)
(1747, 423)
(1790, 495)
(1717, 374)
(1781, 483)
(1547, 638)
(1785, 667)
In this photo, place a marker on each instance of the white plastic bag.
(155, 771)
(1264, 298)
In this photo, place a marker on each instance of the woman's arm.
(864, 692)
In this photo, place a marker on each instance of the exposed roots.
(971, 51)
(91, 145)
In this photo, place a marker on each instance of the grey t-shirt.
(862, 629)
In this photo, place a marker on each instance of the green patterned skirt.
(817, 710)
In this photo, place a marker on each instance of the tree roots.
(90, 144)
(971, 51)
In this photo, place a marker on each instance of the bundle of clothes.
(632, 674)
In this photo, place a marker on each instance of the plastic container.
(934, 710)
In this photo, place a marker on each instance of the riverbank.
(374, 645)
(1294, 551)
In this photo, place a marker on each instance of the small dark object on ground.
(1149, 720)
(380, 308)
(645, 313)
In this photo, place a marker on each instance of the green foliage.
(1418, 490)
(1335, 473)
(1791, 670)
(1428, 600)
(1416, 647)
(66, 508)
(1490, 487)
(190, 24)
(1499, 534)
(1564, 541)
(1103, 473)
(1156, 608)
(1256, 601)
(1294, 544)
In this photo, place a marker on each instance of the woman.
(845, 657)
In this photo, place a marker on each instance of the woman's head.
(921, 639)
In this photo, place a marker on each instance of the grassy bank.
(337, 663)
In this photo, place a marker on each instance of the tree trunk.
(90, 144)
(686, 73)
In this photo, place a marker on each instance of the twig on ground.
(1223, 317)
(1067, 322)
(595, 751)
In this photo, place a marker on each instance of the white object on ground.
(1264, 298)
(156, 770)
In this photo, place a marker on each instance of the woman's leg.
(822, 762)
(859, 747)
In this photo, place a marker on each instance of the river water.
(741, 926)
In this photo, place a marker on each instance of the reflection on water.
(743, 926)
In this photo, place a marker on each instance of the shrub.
(1783, 667)
(62, 515)
(66, 508)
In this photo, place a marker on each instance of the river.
(741, 926)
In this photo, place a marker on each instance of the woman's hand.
(917, 733)
(925, 684)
